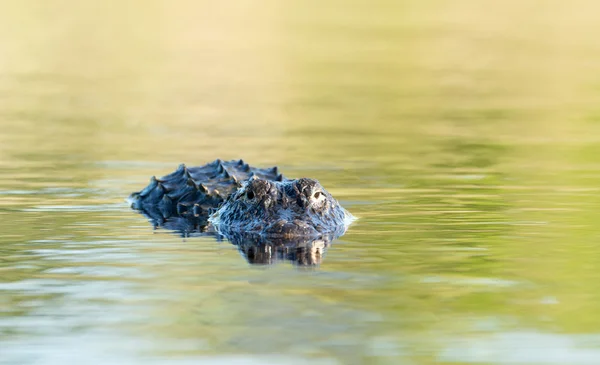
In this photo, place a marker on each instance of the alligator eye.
(250, 195)
(317, 195)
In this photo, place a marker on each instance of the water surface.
(464, 136)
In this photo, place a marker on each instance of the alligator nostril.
(250, 195)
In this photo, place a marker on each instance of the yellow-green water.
(465, 135)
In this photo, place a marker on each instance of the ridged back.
(193, 192)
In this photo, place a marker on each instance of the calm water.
(465, 135)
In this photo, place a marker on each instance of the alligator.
(243, 204)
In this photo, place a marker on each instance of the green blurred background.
(463, 134)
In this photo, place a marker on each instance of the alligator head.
(289, 208)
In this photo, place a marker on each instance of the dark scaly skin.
(268, 217)
(288, 208)
(184, 199)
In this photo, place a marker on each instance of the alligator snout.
(288, 208)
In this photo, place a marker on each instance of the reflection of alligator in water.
(261, 250)
(264, 250)
(251, 207)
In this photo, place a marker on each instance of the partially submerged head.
(299, 207)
